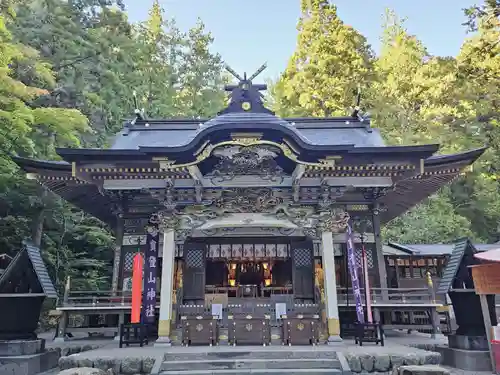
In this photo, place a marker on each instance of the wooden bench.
(133, 333)
(369, 332)
(249, 329)
(200, 330)
(301, 329)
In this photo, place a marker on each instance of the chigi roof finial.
(138, 113)
(246, 96)
(356, 113)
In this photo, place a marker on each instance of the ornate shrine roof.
(312, 131)
(341, 159)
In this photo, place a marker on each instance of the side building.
(252, 208)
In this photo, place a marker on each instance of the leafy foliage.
(68, 72)
(413, 98)
(324, 72)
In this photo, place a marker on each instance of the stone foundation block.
(84, 362)
(147, 365)
(396, 360)
(354, 362)
(411, 360)
(104, 363)
(131, 366)
(67, 363)
(382, 363)
(367, 362)
(432, 358)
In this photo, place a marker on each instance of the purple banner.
(150, 266)
(353, 270)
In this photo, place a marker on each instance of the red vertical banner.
(136, 289)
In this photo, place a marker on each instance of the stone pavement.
(368, 357)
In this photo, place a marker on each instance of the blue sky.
(250, 32)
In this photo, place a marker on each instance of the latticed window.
(369, 258)
(194, 258)
(302, 257)
(128, 261)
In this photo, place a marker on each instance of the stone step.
(251, 364)
(422, 370)
(255, 371)
(236, 353)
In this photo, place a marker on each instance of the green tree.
(413, 100)
(330, 61)
(30, 126)
(434, 221)
(478, 105)
(489, 10)
(201, 74)
(92, 63)
(176, 74)
(408, 96)
(99, 59)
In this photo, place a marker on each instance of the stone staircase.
(254, 360)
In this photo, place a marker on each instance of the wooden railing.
(389, 295)
(98, 298)
(344, 295)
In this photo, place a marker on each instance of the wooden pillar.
(382, 271)
(487, 326)
(121, 320)
(166, 292)
(117, 256)
(435, 322)
(330, 283)
(396, 269)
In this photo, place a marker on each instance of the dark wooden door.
(303, 269)
(194, 271)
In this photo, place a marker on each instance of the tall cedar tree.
(330, 61)
(406, 101)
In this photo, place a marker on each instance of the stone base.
(332, 340)
(30, 364)
(163, 341)
(21, 347)
(471, 360)
(468, 342)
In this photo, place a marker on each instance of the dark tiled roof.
(15, 274)
(437, 249)
(314, 131)
(132, 140)
(41, 270)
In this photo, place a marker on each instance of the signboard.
(486, 278)
(351, 261)
(150, 272)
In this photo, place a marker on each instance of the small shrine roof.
(432, 249)
(60, 181)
